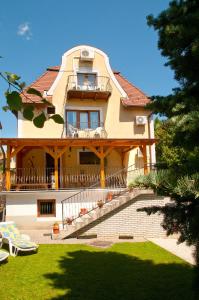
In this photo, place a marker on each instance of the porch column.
(56, 175)
(145, 159)
(8, 184)
(102, 173)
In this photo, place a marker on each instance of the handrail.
(96, 183)
(100, 83)
(77, 199)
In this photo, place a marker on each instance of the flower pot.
(100, 203)
(69, 221)
(109, 196)
(83, 211)
(56, 228)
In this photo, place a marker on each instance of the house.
(107, 137)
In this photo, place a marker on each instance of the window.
(46, 208)
(83, 119)
(87, 81)
(88, 158)
(50, 110)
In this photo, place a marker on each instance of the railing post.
(8, 184)
(62, 214)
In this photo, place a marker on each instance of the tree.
(167, 155)
(17, 89)
(178, 41)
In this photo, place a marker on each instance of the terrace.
(59, 177)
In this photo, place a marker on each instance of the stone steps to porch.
(97, 213)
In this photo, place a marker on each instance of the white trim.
(64, 61)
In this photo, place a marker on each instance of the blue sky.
(35, 34)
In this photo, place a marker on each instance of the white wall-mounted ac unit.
(141, 120)
(86, 54)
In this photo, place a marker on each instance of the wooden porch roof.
(75, 142)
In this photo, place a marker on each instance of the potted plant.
(100, 203)
(83, 211)
(109, 196)
(69, 220)
(56, 228)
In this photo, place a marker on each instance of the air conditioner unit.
(141, 120)
(87, 54)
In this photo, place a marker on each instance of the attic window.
(51, 110)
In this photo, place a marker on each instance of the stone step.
(98, 212)
(86, 216)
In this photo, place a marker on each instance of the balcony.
(79, 87)
(70, 177)
(93, 130)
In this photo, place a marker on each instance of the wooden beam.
(61, 152)
(108, 151)
(8, 184)
(17, 150)
(49, 151)
(76, 142)
(102, 173)
(93, 149)
(56, 172)
(122, 158)
(129, 149)
(145, 159)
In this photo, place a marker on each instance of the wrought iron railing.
(89, 198)
(86, 130)
(99, 84)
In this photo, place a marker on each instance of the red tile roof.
(135, 96)
(43, 83)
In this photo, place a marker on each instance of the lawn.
(125, 271)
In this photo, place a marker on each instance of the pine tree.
(178, 41)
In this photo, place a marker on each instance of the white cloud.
(24, 30)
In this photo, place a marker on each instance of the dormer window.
(87, 81)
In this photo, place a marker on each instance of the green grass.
(125, 271)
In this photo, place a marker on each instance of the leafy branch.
(16, 90)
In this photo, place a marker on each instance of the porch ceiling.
(79, 142)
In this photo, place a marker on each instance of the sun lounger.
(3, 255)
(17, 242)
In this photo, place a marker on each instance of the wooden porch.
(56, 148)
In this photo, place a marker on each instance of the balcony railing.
(70, 177)
(86, 130)
(100, 88)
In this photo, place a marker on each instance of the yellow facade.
(119, 121)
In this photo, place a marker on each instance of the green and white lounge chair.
(17, 242)
(3, 255)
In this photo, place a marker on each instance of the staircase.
(93, 203)
(97, 213)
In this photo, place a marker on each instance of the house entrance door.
(50, 170)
